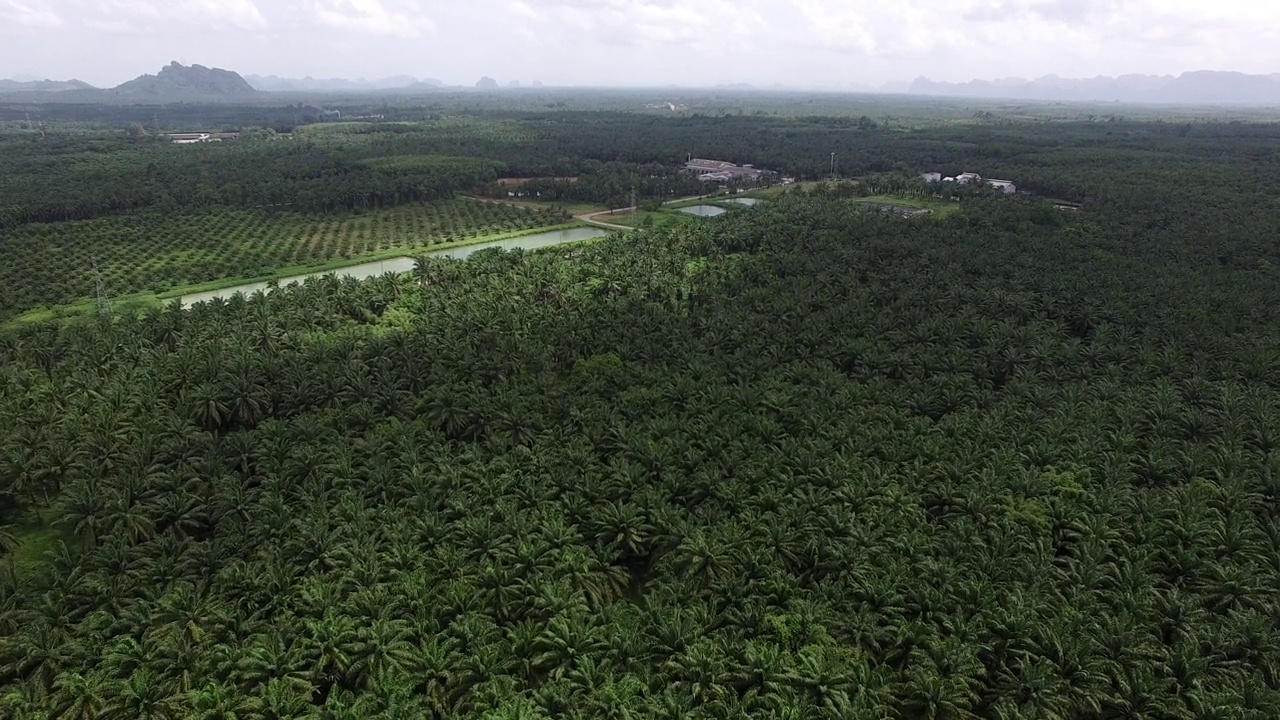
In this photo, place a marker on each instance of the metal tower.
(104, 303)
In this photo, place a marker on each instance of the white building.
(1004, 186)
(931, 177)
(965, 178)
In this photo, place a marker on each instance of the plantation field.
(49, 264)
(939, 207)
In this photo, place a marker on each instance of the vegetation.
(69, 175)
(802, 461)
(609, 184)
(51, 263)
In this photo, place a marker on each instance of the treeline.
(608, 184)
(75, 172)
(1078, 160)
(78, 176)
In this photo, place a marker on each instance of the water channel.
(703, 210)
(405, 264)
(749, 202)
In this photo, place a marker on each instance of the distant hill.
(1205, 87)
(43, 85)
(176, 81)
(179, 83)
(271, 83)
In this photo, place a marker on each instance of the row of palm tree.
(61, 262)
(802, 461)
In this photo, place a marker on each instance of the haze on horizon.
(809, 43)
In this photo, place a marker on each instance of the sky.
(799, 43)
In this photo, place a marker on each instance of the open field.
(50, 264)
(573, 208)
(645, 218)
(776, 190)
(938, 207)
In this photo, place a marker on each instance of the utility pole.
(833, 166)
(104, 304)
(634, 205)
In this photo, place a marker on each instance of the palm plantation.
(802, 461)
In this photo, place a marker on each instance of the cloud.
(710, 25)
(32, 13)
(1067, 12)
(644, 42)
(141, 16)
(405, 19)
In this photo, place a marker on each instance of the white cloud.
(654, 42)
(140, 16)
(31, 13)
(404, 19)
(708, 25)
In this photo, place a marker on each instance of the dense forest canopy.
(76, 172)
(806, 460)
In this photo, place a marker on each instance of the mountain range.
(43, 85)
(177, 81)
(174, 82)
(272, 83)
(1204, 87)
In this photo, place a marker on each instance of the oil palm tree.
(143, 695)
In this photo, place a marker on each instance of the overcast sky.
(834, 43)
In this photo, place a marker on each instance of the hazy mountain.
(430, 84)
(272, 83)
(43, 85)
(1203, 87)
(176, 81)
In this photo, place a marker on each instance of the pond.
(703, 210)
(405, 264)
(749, 202)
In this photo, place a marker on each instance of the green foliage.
(78, 176)
(51, 263)
(800, 461)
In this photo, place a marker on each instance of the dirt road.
(593, 218)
